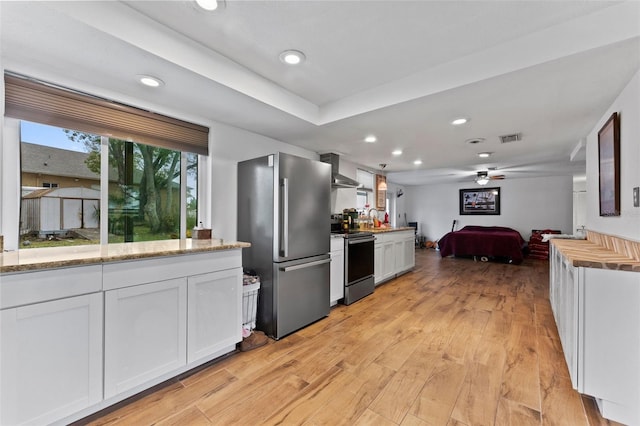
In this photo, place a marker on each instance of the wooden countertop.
(60, 257)
(591, 255)
(381, 230)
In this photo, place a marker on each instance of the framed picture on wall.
(480, 201)
(609, 166)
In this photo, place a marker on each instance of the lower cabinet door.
(215, 313)
(389, 262)
(145, 333)
(409, 253)
(378, 262)
(50, 360)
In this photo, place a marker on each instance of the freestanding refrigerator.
(284, 212)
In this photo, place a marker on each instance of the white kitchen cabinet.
(563, 291)
(378, 262)
(398, 252)
(51, 358)
(214, 313)
(409, 247)
(610, 342)
(596, 312)
(394, 254)
(389, 260)
(337, 270)
(145, 334)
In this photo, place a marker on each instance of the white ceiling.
(401, 70)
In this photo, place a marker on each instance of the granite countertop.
(381, 230)
(60, 257)
(591, 255)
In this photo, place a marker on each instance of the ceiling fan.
(483, 177)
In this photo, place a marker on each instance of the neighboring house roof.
(85, 193)
(55, 161)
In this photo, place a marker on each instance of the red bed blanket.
(490, 241)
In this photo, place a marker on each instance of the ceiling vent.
(511, 138)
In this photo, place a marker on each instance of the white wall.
(227, 146)
(627, 225)
(525, 204)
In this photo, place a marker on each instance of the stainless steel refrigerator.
(284, 212)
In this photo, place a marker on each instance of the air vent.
(511, 138)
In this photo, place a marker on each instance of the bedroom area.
(526, 204)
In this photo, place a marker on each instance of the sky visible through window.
(54, 136)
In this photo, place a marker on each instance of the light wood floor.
(454, 342)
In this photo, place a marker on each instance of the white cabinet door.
(214, 320)
(409, 248)
(337, 276)
(51, 359)
(389, 260)
(145, 333)
(398, 252)
(610, 359)
(378, 262)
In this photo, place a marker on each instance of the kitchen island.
(85, 327)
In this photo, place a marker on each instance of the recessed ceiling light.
(417, 162)
(208, 4)
(370, 139)
(292, 57)
(459, 121)
(484, 154)
(150, 81)
(396, 152)
(474, 141)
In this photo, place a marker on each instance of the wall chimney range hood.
(338, 180)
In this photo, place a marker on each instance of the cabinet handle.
(305, 265)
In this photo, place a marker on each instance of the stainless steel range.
(358, 266)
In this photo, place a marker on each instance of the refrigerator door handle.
(284, 242)
(305, 265)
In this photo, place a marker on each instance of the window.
(144, 189)
(364, 192)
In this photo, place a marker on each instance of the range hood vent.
(338, 180)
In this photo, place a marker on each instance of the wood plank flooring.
(454, 342)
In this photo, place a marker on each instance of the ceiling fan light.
(482, 181)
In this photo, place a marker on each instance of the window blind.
(28, 99)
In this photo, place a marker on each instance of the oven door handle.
(361, 240)
(305, 265)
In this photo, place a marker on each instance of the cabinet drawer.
(24, 288)
(337, 244)
(126, 274)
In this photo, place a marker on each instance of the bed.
(484, 242)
